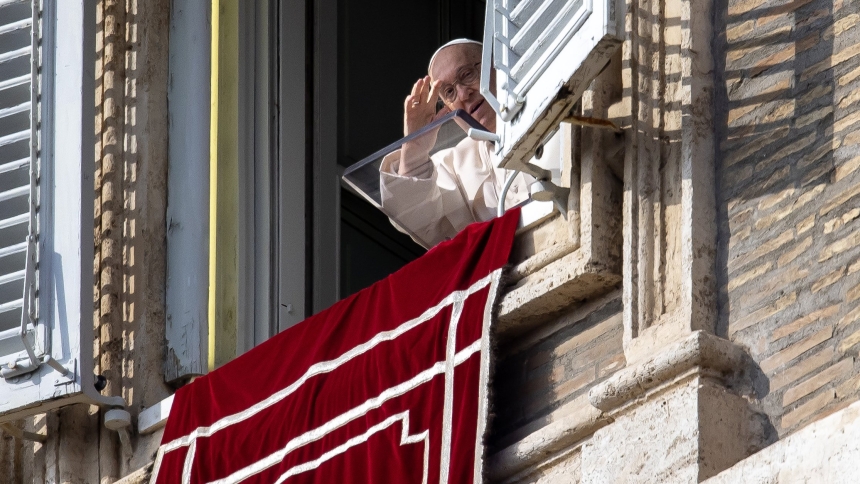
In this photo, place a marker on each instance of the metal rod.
(28, 316)
(510, 181)
(16, 220)
(16, 25)
(592, 123)
(14, 137)
(14, 54)
(12, 277)
(18, 303)
(14, 165)
(14, 193)
(56, 365)
(22, 434)
(13, 249)
(14, 109)
(15, 81)
(11, 333)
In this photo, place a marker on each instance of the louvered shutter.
(545, 53)
(47, 54)
(18, 174)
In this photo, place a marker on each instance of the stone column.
(674, 418)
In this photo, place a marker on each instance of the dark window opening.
(383, 48)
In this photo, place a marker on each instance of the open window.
(543, 55)
(46, 203)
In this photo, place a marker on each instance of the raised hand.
(420, 106)
(419, 110)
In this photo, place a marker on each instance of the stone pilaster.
(669, 200)
(674, 416)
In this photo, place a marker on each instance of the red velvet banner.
(386, 386)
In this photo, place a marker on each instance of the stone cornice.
(581, 421)
(699, 349)
(574, 277)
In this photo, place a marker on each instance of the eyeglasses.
(466, 76)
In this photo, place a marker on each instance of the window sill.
(153, 418)
(553, 270)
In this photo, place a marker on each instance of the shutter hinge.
(13, 371)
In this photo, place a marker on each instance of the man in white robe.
(434, 197)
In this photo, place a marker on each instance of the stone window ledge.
(553, 269)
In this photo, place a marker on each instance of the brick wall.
(788, 117)
(556, 364)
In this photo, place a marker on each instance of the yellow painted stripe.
(213, 179)
(224, 184)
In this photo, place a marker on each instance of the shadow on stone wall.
(787, 157)
(540, 373)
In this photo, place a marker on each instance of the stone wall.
(540, 373)
(787, 119)
(824, 451)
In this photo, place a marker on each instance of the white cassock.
(460, 186)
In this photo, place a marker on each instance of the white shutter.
(46, 205)
(18, 189)
(545, 54)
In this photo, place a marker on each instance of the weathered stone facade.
(695, 318)
(788, 206)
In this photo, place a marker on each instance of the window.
(46, 201)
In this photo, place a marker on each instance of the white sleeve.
(429, 205)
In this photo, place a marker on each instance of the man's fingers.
(416, 88)
(434, 92)
(419, 87)
(430, 99)
(419, 106)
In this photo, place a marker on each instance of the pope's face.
(450, 68)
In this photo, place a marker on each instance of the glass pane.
(436, 181)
